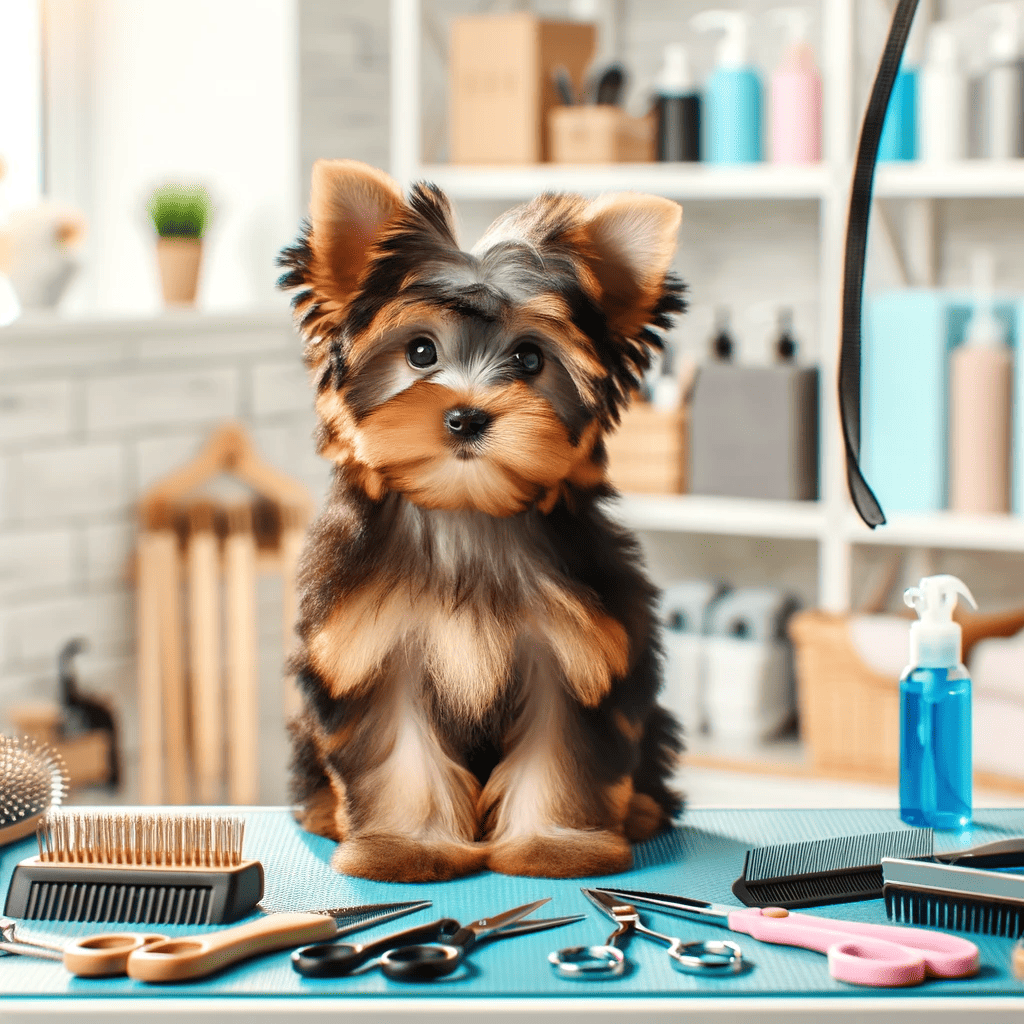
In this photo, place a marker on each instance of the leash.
(863, 497)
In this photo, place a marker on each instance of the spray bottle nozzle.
(934, 598)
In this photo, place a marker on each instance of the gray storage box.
(754, 432)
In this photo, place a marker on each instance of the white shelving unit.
(828, 522)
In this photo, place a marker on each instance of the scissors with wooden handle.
(107, 954)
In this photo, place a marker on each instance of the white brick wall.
(93, 413)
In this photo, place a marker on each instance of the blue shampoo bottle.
(935, 711)
(732, 106)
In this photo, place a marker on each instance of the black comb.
(843, 869)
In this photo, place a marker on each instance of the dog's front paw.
(569, 854)
(390, 858)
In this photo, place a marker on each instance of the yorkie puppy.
(479, 655)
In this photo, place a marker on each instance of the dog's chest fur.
(471, 602)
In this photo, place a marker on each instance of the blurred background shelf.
(966, 179)
(689, 513)
(679, 181)
(944, 530)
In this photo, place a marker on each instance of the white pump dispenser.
(942, 125)
(734, 49)
(935, 639)
(1004, 42)
(675, 78)
(1002, 84)
(984, 328)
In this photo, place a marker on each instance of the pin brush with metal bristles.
(33, 779)
(150, 868)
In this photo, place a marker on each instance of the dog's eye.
(421, 353)
(528, 358)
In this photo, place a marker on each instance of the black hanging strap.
(863, 497)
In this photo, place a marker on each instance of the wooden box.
(502, 84)
(600, 135)
(647, 454)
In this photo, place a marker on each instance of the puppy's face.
(475, 380)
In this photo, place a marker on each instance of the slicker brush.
(33, 779)
(148, 868)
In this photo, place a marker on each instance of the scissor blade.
(371, 914)
(524, 927)
(611, 904)
(698, 910)
(487, 925)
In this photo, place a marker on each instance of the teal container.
(732, 117)
(899, 133)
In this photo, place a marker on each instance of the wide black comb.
(843, 869)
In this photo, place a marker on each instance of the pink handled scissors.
(858, 953)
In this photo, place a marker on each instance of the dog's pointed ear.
(350, 203)
(631, 240)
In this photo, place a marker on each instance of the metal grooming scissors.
(858, 953)
(712, 958)
(420, 954)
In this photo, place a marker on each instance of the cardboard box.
(600, 135)
(647, 454)
(502, 85)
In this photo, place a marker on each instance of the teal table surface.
(699, 858)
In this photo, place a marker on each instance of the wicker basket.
(849, 714)
(647, 454)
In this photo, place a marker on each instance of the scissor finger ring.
(587, 961)
(707, 957)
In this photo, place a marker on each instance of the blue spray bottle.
(935, 711)
(731, 110)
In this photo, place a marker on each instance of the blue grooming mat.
(700, 858)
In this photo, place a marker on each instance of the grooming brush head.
(843, 869)
(140, 868)
(32, 780)
(154, 840)
(959, 899)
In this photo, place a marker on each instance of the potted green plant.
(180, 215)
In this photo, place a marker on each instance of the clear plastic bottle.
(935, 711)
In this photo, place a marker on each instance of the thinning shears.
(858, 953)
(420, 954)
(709, 958)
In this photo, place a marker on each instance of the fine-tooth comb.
(849, 868)
(142, 868)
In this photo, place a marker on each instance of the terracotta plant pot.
(179, 260)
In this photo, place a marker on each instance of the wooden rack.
(198, 563)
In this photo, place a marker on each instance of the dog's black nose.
(467, 423)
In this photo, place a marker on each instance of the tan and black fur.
(479, 656)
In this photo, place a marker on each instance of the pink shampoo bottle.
(795, 103)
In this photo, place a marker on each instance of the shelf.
(943, 530)
(966, 179)
(686, 513)
(679, 181)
